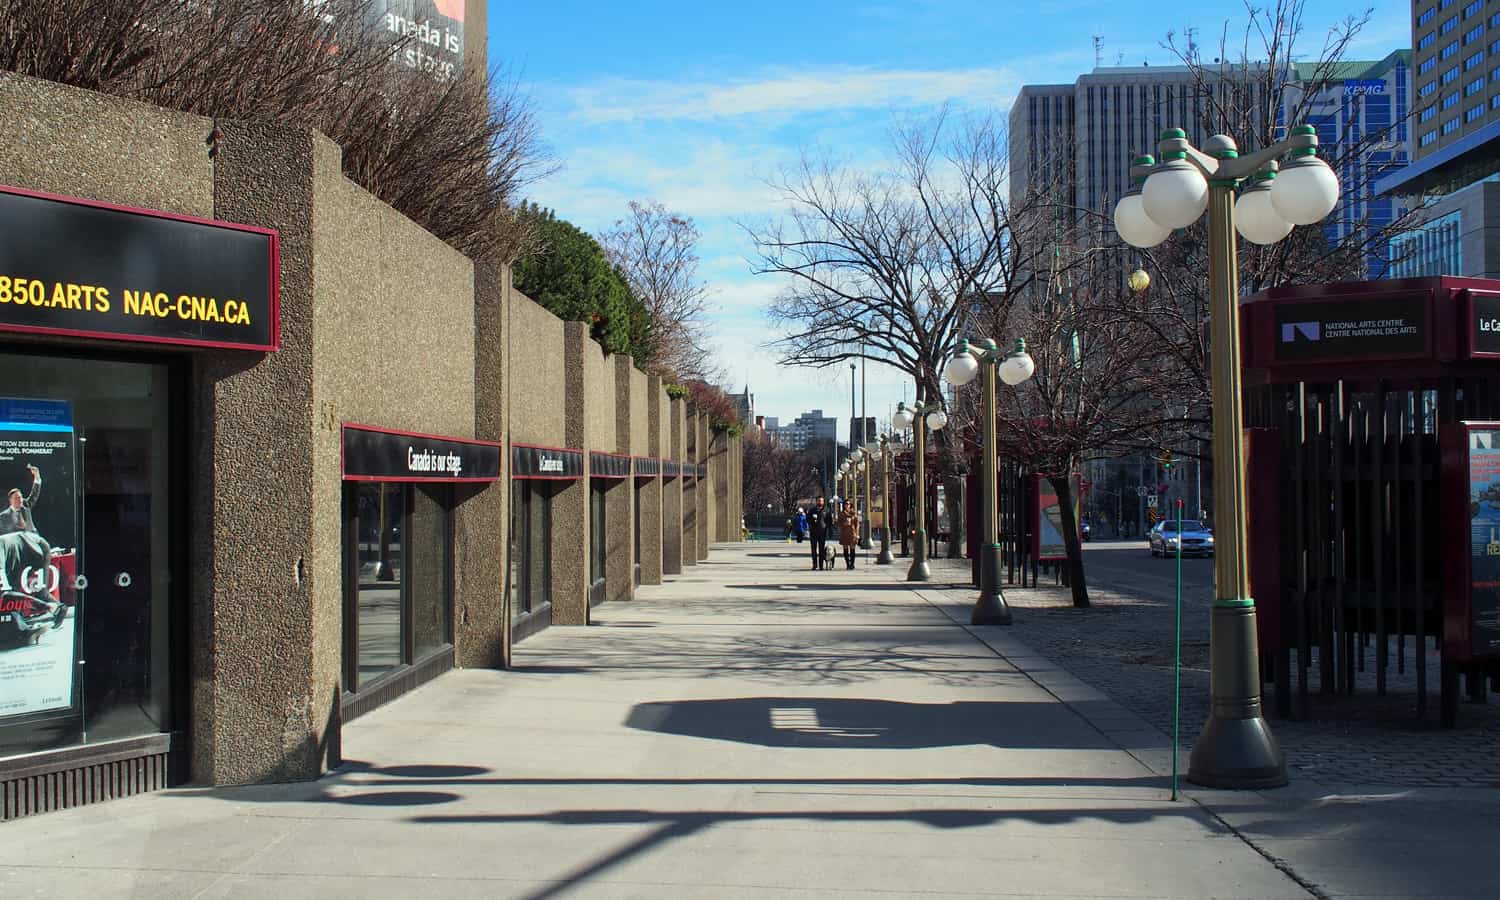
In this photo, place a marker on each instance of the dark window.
(531, 544)
(88, 627)
(597, 538)
(399, 585)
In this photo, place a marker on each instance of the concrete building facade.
(372, 462)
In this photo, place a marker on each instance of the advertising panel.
(1047, 540)
(1484, 540)
(433, 33)
(75, 267)
(38, 595)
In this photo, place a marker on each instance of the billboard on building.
(433, 31)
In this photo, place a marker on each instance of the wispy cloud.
(623, 100)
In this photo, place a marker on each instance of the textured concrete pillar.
(619, 508)
(266, 644)
(480, 523)
(687, 521)
(619, 540)
(570, 506)
(719, 478)
(704, 487)
(651, 492)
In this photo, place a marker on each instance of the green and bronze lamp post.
(885, 558)
(868, 464)
(1236, 748)
(1012, 368)
(920, 417)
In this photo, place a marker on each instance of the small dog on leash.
(828, 556)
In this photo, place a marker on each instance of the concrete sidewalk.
(751, 729)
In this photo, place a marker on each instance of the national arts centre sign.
(87, 269)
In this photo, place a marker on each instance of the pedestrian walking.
(819, 523)
(801, 525)
(849, 532)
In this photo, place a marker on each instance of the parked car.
(1195, 537)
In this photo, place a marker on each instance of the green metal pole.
(1177, 658)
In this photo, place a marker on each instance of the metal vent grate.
(95, 783)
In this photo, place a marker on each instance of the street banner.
(39, 611)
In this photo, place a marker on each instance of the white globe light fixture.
(1131, 221)
(1255, 216)
(962, 368)
(1306, 190)
(937, 419)
(1176, 193)
(902, 418)
(1018, 366)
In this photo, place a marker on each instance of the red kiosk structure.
(1372, 417)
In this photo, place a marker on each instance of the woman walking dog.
(848, 532)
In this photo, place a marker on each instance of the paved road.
(752, 729)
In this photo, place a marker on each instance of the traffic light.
(1166, 460)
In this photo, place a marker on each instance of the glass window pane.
(428, 579)
(85, 462)
(378, 608)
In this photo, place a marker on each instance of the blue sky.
(696, 104)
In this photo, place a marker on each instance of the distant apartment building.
(1456, 146)
(808, 428)
(1075, 142)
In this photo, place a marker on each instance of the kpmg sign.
(1378, 327)
(76, 267)
(1358, 86)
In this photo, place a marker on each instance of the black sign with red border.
(545, 463)
(647, 466)
(609, 465)
(87, 269)
(378, 454)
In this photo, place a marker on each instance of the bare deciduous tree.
(448, 153)
(657, 253)
(890, 265)
(1258, 85)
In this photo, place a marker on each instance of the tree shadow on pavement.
(675, 824)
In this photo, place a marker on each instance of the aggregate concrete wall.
(599, 396)
(78, 143)
(535, 369)
(638, 422)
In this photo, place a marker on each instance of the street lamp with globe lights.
(885, 558)
(920, 417)
(1012, 368)
(1236, 748)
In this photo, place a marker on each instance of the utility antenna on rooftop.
(1192, 43)
(1098, 50)
(1120, 59)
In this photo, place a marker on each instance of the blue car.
(1195, 538)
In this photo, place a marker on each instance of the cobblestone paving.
(1123, 646)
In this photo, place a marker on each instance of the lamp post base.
(885, 558)
(919, 570)
(1236, 749)
(990, 608)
